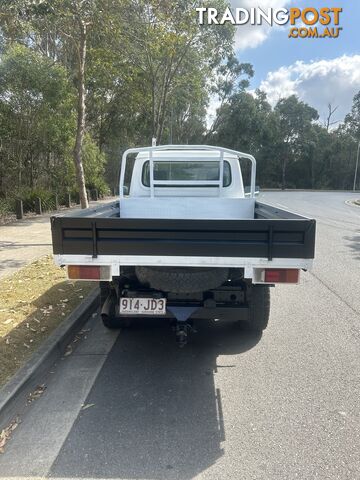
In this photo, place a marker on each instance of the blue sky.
(319, 71)
(278, 50)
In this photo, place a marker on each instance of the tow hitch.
(182, 325)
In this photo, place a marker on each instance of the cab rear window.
(186, 171)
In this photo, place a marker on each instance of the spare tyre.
(182, 279)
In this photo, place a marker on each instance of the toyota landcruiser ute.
(184, 241)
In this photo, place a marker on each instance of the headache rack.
(186, 183)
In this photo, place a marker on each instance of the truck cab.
(190, 184)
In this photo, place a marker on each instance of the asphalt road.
(228, 406)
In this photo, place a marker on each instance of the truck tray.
(273, 233)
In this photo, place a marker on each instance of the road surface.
(231, 405)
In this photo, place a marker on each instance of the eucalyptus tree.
(352, 119)
(295, 119)
(36, 119)
(57, 29)
(140, 68)
(162, 37)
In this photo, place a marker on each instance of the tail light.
(281, 275)
(89, 272)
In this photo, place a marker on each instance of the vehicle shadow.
(157, 411)
(354, 244)
(9, 264)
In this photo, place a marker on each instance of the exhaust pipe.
(108, 307)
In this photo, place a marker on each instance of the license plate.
(143, 306)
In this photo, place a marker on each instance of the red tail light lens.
(282, 275)
(88, 272)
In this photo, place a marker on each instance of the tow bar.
(182, 325)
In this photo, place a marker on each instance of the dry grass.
(33, 302)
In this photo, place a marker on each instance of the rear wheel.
(259, 308)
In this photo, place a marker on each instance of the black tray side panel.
(264, 238)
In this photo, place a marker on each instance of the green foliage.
(7, 207)
(151, 70)
(29, 198)
(352, 120)
(94, 165)
(292, 149)
(36, 119)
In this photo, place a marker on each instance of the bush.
(29, 198)
(7, 207)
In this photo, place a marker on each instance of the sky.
(320, 71)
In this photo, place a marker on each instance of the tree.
(295, 118)
(329, 122)
(72, 18)
(89, 78)
(352, 119)
(79, 16)
(248, 124)
(36, 119)
(58, 29)
(231, 77)
(163, 36)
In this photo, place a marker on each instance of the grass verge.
(33, 302)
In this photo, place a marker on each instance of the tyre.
(181, 279)
(259, 308)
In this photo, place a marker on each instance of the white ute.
(185, 241)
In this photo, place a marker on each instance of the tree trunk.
(81, 117)
(162, 111)
(153, 108)
(283, 181)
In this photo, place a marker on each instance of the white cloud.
(247, 36)
(317, 83)
(251, 36)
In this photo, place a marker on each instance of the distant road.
(228, 406)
